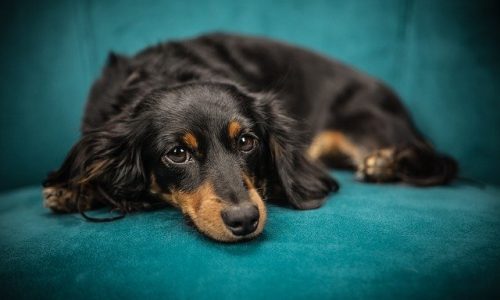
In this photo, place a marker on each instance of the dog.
(219, 124)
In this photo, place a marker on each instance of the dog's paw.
(59, 199)
(379, 166)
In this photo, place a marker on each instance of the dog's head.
(212, 150)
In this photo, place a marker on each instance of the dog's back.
(308, 82)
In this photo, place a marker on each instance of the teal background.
(440, 56)
(368, 241)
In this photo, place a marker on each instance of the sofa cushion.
(367, 241)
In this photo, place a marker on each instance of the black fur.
(282, 94)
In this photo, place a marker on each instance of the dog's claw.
(58, 199)
(380, 166)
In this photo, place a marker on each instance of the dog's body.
(218, 123)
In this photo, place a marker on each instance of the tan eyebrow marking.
(233, 129)
(190, 140)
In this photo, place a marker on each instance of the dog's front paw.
(379, 166)
(59, 199)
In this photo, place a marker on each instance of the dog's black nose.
(241, 219)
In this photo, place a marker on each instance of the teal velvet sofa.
(368, 241)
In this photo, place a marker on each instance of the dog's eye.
(246, 143)
(178, 155)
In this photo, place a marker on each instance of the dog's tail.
(425, 167)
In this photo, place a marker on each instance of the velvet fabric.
(368, 241)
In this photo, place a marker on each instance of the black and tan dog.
(218, 124)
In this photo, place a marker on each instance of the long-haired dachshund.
(217, 124)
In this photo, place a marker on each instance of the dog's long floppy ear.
(304, 183)
(105, 164)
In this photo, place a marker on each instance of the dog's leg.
(66, 200)
(418, 165)
(375, 133)
(59, 199)
(334, 148)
